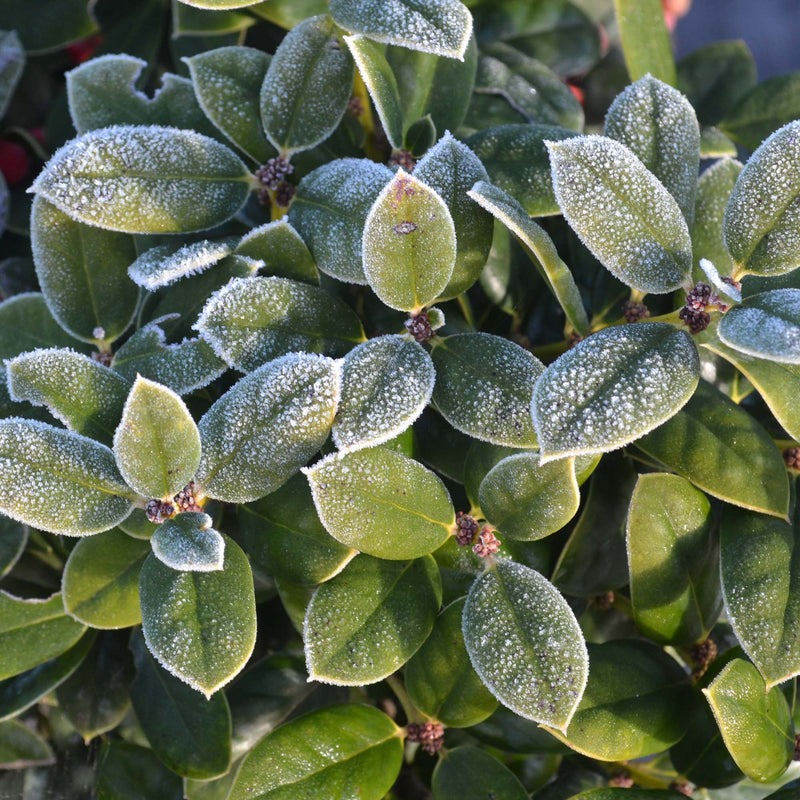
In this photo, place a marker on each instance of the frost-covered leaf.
(164, 264)
(283, 253)
(86, 396)
(101, 580)
(192, 21)
(188, 543)
(409, 244)
(200, 626)
(353, 750)
(81, 270)
(59, 481)
(27, 324)
(442, 27)
(43, 27)
(260, 432)
(645, 40)
(218, 5)
(762, 219)
(21, 748)
(307, 86)
(251, 321)
(726, 291)
(525, 644)
(145, 179)
(539, 246)
(766, 325)
(658, 125)
(227, 82)
(365, 623)
(673, 560)
(471, 772)
(386, 384)
(330, 210)
(756, 722)
(157, 444)
(527, 500)
(612, 388)
(622, 213)
(382, 503)
(12, 63)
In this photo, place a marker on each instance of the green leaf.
(27, 324)
(190, 734)
(440, 679)
(721, 449)
(381, 503)
(188, 543)
(527, 500)
(659, 126)
(101, 580)
(443, 27)
(12, 57)
(612, 388)
(157, 444)
(635, 703)
(760, 580)
(539, 247)
(765, 325)
(673, 561)
(145, 179)
(260, 432)
(217, 5)
(227, 82)
(386, 384)
(188, 20)
(81, 270)
(307, 86)
(287, 14)
(645, 40)
(13, 541)
(365, 623)
(42, 27)
(468, 773)
(515, 156)
(330, 210)
(763, 214)
(200, 626)
(634, 793)
(33, 631)
(283, 537)
(251, 321)
(86, 396)
(622, 213)
(279, 246)
(21, 748)
(715, 144)
(756, 723)
(765, 108)
(409, 244)
(59, 481)
(128, 772)
(525, 644)
(162, 265)
(343, 751)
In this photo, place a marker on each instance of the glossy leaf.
(189, 20)
(200, 626)
(42, 27)
(218, 5)
(188, 543)
(27, 324)
(13, 540)
(468, 773)
(622, 213)
(634, 793)
(21, 748)
(165, 264)
(365, 623)
(126, 770)
(525, 643)
(645, 40)
(612, 388)
(260, 432)
(145, 179)
(282, 251)
(381, 503)
(13, 64)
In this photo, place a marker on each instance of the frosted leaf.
(12, 63)
(145, 179)
(182, 367)
(612, 388)
(386, 384)
(726, 291)
(27, 324)
(157, 445)
(658, 124)
(281, 250)
(188, 543)
(307, 86)
(409, 244)
(382, 503)
(525, 644)
(216, 5)
(78, 391)
(365, 623)
(159, 266)
(484, 385)
(443, 27)
(261, 431)
(251, 321)
(59, 481)
(330, 210)
(200, 626)
(622, 213)
(527, 500)
(762, 219)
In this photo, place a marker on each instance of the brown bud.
(466, 528)
(791, 457)
(702, 655)
(633, 312)
(419, 327)
(429, 734)
(487, 545)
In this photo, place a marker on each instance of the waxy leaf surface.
(188, 543)
(27, 324)
(645, 40)
(42, 27)
(283, 253)
(468, 772)
(20, 747)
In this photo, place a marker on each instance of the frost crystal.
(188, 543)
(165, 264)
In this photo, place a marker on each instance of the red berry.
(84, 49)
(14, 162)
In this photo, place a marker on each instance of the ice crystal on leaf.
(188, 543)
(165, 264)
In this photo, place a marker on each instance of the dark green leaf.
(27, 324)
(13, 540)
(281, 249)
(128, 772)
(468, 773)
(191, 20)
(645, 40)
(21, 748)
(13, 64)
(43, 27)
(288, 13)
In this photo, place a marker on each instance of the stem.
(413, 714)
(466, 309)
